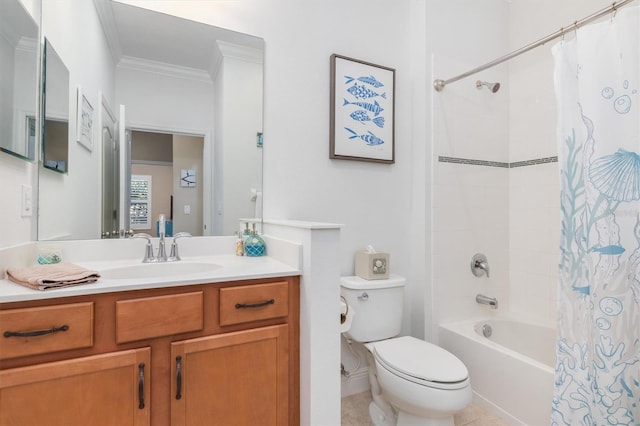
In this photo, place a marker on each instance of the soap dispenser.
(254, 245)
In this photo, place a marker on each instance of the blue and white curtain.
(597, 80)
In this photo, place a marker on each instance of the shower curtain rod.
(438, 85)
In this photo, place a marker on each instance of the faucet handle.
(181, 234)
(174, 245)
(148, 253)
(479, 265)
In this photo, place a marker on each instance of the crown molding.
(164, 68)
(105, 15)
(243, 53)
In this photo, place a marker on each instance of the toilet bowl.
(424, 383)
(413, 382)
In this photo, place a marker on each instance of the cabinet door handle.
(35, 333)
(178, 377)
(255, 305)
(141, 385)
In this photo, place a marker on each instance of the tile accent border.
(534, 162)
(473, 162)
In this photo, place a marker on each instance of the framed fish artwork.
(362, 111)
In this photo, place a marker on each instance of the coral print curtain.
(597, 80)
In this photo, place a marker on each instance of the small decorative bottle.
(239, 245)
(254, 245)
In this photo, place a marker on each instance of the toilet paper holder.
(343, 315)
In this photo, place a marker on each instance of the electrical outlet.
(27, 201)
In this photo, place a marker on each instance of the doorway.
(166, 171)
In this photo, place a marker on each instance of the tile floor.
(355, 412)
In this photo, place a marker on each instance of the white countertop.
(231, 268)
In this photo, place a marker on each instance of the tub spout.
(486, 300)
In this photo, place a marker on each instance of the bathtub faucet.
(486, 300)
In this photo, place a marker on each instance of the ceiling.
(143, 34)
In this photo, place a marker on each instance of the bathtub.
(511, 371)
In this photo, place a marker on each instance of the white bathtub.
(512, 371)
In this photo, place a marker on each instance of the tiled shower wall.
(509, 212)
(534, 236)
(496, 191)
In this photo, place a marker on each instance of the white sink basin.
(157, 270)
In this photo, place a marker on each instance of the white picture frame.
(84, 121)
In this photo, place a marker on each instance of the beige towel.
(45, 277)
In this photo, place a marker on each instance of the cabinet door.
(107, 389)
(238, 379)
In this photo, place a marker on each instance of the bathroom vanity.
(219, 352)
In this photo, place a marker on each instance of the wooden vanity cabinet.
(108, 389)
(220, 353)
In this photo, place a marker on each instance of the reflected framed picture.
(362, 111)
(188, 178)
(84, 121)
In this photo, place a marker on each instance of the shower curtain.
(597, 82)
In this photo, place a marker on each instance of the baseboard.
(495, 410)
(357, 382)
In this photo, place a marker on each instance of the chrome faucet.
(162, 254)
(486, 300)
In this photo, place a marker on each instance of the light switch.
(187, 209)
(27, 201)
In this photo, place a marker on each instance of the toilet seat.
(421, 362)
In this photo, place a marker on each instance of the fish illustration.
(374, 107)
(608, 250)
(369, 139)
(369, 80)
(363, 92)
(362, 116)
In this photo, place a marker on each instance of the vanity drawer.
(31, 331)
(253, 302)
(145, 318)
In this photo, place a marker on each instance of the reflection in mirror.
(165, 171)
(55, 134)
(164, 75)
(18, 79)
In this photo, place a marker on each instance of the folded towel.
(45, 277)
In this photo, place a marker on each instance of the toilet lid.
(421, 361)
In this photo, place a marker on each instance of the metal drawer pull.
(179, 377)
(35, 332)
(141, 385)
(255, 305)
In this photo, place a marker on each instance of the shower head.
(494, 87)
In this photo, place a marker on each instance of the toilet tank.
(377, 305)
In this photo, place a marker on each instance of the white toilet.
(413, 382)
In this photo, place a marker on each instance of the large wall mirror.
(195, 88)
(19, 46)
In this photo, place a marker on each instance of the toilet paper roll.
(346, 316)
